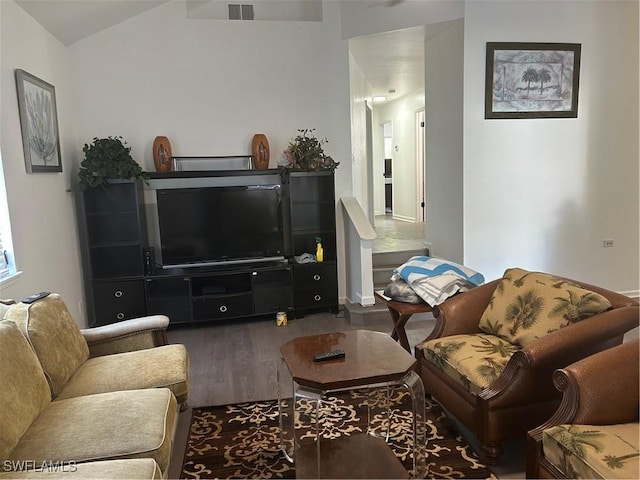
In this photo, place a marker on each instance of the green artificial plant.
(306, 152)
(107, 158)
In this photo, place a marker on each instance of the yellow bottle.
(319, 251)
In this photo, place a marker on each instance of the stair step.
(358, 315)
(395, 259)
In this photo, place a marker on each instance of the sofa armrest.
(129, 335)
(461, 313)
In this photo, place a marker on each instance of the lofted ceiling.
(391, 61)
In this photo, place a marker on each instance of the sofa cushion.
(528, 305)
(131, 469)
(473, 361)
(588, 451)
(165, 366)
(50, 329)
(24, 392)
(115, 425)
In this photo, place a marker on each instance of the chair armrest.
(602, 389)
(581, 339)
(461, 313)
(527, 376)
(129, 335)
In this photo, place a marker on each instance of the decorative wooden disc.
(162, 154)
(260, 151)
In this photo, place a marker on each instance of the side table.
(373, 360)
(400, 314)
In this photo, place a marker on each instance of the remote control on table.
(34, 297)
(321, 357)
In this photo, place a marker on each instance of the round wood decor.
(260, 151)
(162, 154)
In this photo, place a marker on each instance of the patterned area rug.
(243, 440)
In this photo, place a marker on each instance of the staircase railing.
(359, 237)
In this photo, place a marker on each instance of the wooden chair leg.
(492, 452)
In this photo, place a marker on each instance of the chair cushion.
(528, 305)
(131, 469)
(165, 366)
(24, 391)
(50, 329)
(587, 451)
(115, 425)
(473, 361)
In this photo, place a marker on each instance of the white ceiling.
(389, 61)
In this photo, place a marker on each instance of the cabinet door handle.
(317, 298)
(117, 293)
(316, 277)
(120, 316)
(223, 308)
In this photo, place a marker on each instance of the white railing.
(359, 236)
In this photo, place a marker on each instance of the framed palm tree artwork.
(532, 80)
(39, 123)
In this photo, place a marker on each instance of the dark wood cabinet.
(119, 284)
(113, 236)
(312, 213)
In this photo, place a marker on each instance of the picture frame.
(532, 80)
(39, 123)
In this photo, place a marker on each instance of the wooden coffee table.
(372, 359)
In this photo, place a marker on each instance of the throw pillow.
(528, 305)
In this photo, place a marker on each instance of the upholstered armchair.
(491, 356)
(595, 431)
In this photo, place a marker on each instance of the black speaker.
(149, 261)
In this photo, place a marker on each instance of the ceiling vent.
(240, 12)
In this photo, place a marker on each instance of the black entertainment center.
(209, 246)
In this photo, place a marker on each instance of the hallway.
(396, 235)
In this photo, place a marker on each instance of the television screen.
(219, 224)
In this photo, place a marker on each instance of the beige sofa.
(72, 407)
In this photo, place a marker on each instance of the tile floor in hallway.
(397, 235)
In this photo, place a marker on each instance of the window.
(7, 264)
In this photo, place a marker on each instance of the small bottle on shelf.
(319, 250)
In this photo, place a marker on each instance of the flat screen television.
(213, 225)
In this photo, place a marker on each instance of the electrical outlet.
(607, 242)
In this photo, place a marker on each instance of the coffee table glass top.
(370, 358)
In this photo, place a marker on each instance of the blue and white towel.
(435, 279)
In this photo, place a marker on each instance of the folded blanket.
(435, 279)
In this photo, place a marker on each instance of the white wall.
(207, 85)
(402, 114)
(542, 194)
(40, 207)
(444, 77)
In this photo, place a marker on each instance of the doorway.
(420, 167)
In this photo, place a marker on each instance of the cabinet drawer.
(222, 306)
(117, 301)
(319, 296)
(315, 274)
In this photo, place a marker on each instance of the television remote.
(35, 296)
(321, 357)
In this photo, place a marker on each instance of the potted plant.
(107, 158)
(306, 152)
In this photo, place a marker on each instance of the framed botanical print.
(39, 123)
(532, 80)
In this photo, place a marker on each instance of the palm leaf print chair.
(490, 358)
(595, 431)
